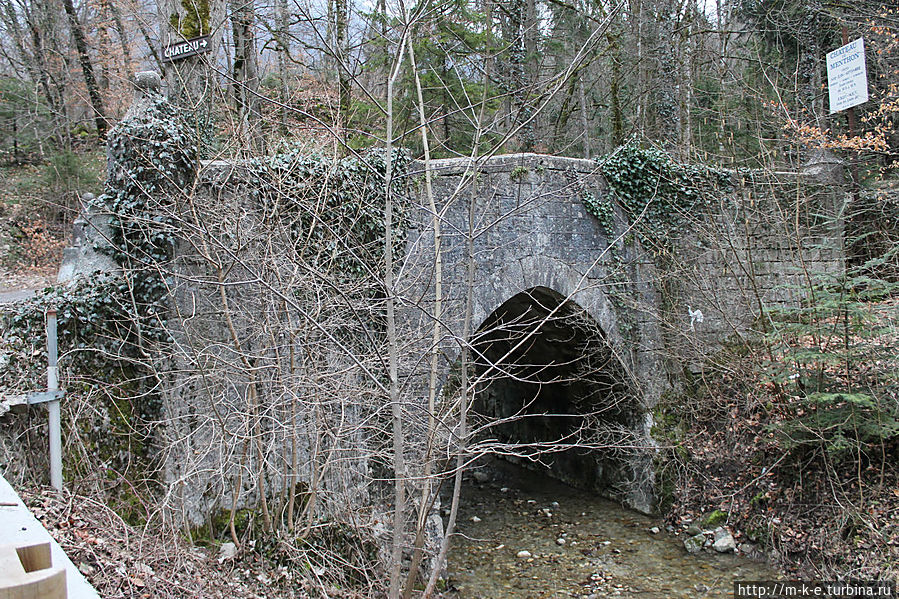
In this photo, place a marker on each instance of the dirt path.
(18, 286)
(11, 297)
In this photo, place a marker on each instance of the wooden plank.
(26, 572)
(43, 584)
(20, 528)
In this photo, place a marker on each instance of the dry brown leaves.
(122, 561)
(819, 520)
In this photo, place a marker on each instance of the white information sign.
(847, 76)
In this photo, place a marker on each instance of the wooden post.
(850, 117)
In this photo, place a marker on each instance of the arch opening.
(551, 394)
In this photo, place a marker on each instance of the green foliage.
(195, 20)
(109, 325)
(24, 120)
(336, 207)
(66, 171)
(840, 422)
(99, 366)
(713, 519)
(449, 50)
(657, 194)
(668, 429)
(93, 323)
(154, 157)
(747, 138)
(604, 212)
(155, 161)
(519, 173)
(217, 530)
(789, 25)
(836, 360)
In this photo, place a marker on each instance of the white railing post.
(53, 404)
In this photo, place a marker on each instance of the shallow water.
(608, 550)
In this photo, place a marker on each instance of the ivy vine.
(153, 159)
(108, 324)
(656, 197)
(657, 194)
(335, 205)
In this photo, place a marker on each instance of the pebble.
(654, 530)
(748, 548)
(475, 519)
(724, 541)
(227, 551)
(560, 541)
(523, 554)
(480, 477)
(694, 543)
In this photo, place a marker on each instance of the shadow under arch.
(551, 393)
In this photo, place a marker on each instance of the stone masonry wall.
(523, 219)
(755, 246)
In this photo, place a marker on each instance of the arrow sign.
(191, 47)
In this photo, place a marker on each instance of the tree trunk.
(617, 127)
(665, 69)
(246, 71)
(152, 46)
(54, 101)
(283, 61)
(585, 118)
(640, 71)
(343, 74)
(87, 68)
(393, 344)
(192, 80)
(120, 30)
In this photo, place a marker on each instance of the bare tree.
(87, 68)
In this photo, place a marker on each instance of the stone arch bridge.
(574, 331)
(570, 329)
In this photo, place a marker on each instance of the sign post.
(191, 47)
(847, 86)
(53, 405)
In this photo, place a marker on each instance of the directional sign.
(847, 76)
(181, 50)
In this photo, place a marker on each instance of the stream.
(580, 545)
